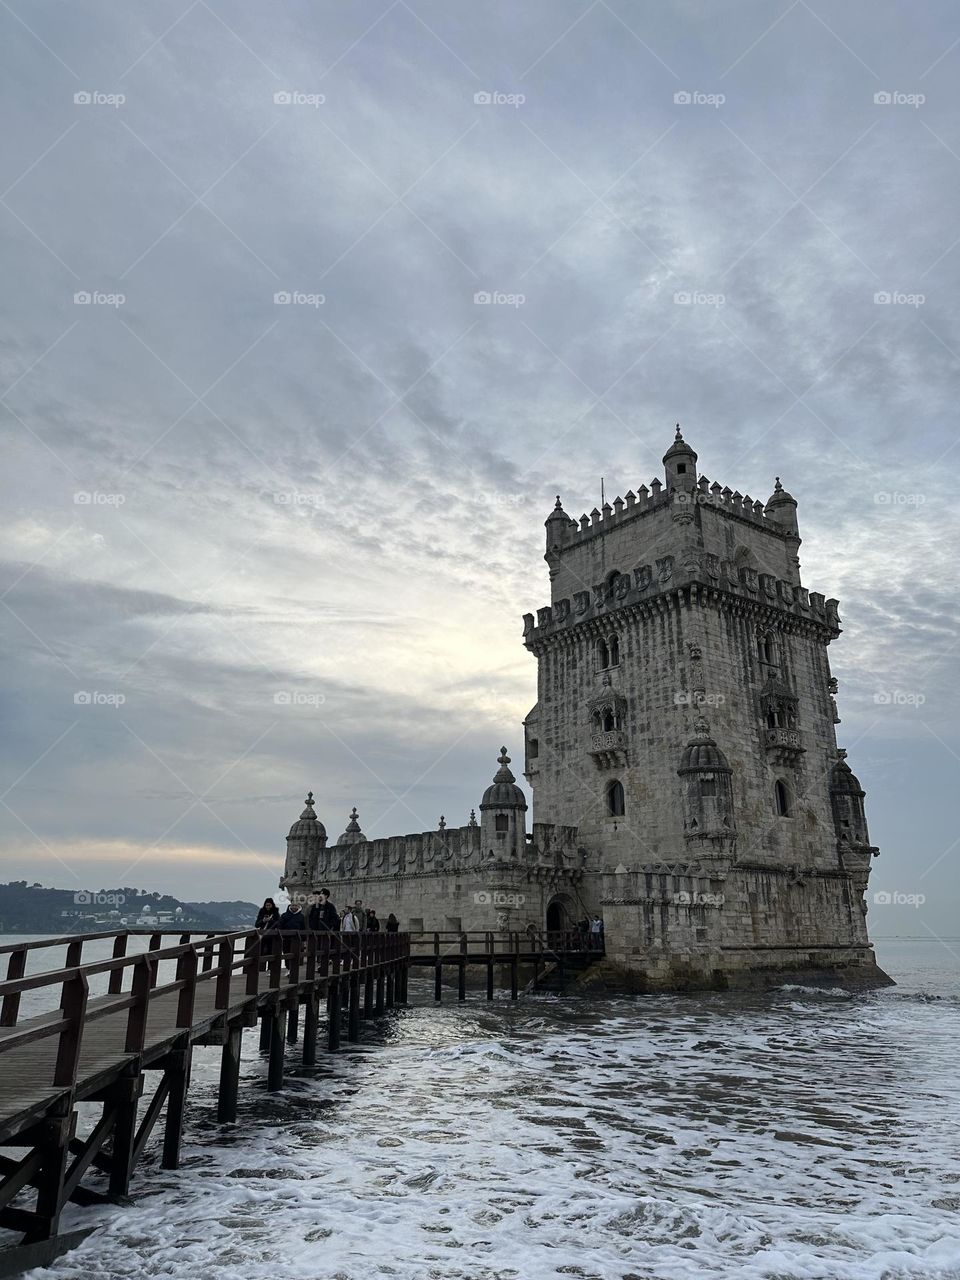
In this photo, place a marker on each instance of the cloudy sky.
(297, 538)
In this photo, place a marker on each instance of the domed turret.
(308, 825)
(849, 816)
(782, 508)
(353, 834)
(680, 463)
(305, 844)
(707, 782)
(502, 814)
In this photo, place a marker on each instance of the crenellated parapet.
(667, 574)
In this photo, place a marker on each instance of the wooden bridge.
(161, 1002)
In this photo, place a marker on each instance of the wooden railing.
(287, 960)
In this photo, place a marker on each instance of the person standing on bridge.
(348, 922)
(596, 934)
(293, 917)
(373, 924)
(323, 914)
(393, 924)
(268, 917)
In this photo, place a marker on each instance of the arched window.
(609, 721)
(502, 822)
(612, 579)
(616, 806)
(767, 649)
(603, 655)
(781, 799)
(708, 786)
(614, 651)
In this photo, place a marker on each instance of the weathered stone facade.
(682, 756)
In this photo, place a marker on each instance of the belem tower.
(682, 756)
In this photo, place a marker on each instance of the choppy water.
(792, 1135)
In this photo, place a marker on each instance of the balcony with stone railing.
(783, 746)
(609, 748)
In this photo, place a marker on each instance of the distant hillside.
(31, 908)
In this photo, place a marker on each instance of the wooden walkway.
(99, 1050)
(102, 1049)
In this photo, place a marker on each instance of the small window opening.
(781, 799)
(502, 822)
(616, 806)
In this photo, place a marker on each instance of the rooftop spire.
(503, 774)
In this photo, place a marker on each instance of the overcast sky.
(297, 538)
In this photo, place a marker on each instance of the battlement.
(656, 498)
(669, 573)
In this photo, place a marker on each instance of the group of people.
(591, 932)
(322, 916)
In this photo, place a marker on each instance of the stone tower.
(685, 726)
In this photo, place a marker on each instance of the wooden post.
(116, 975)
(462, 969)
(353, 1024)
(229, 1075)
(490, 976)
(141, 986)
(293, 1020)
(187, 973)
(333, 995)
(73, 1006)
(177, 1072)
(55, 1146)
(126, 1096)
(391, 983)
(515, 966)
(311, 1018)
(266, 1027)
(275, 1066)
(379, 1005)
(225, 965)
(11, 1004)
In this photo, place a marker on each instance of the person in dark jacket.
(268, 920)
(373, 924)
(393, 924)
(323, 914)
(293, 917)
(268, 917)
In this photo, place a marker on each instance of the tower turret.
(680, 464)
(305, 842)
(503, 823)
(782, 508)
(353, 834)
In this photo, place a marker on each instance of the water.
(798, 1135)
